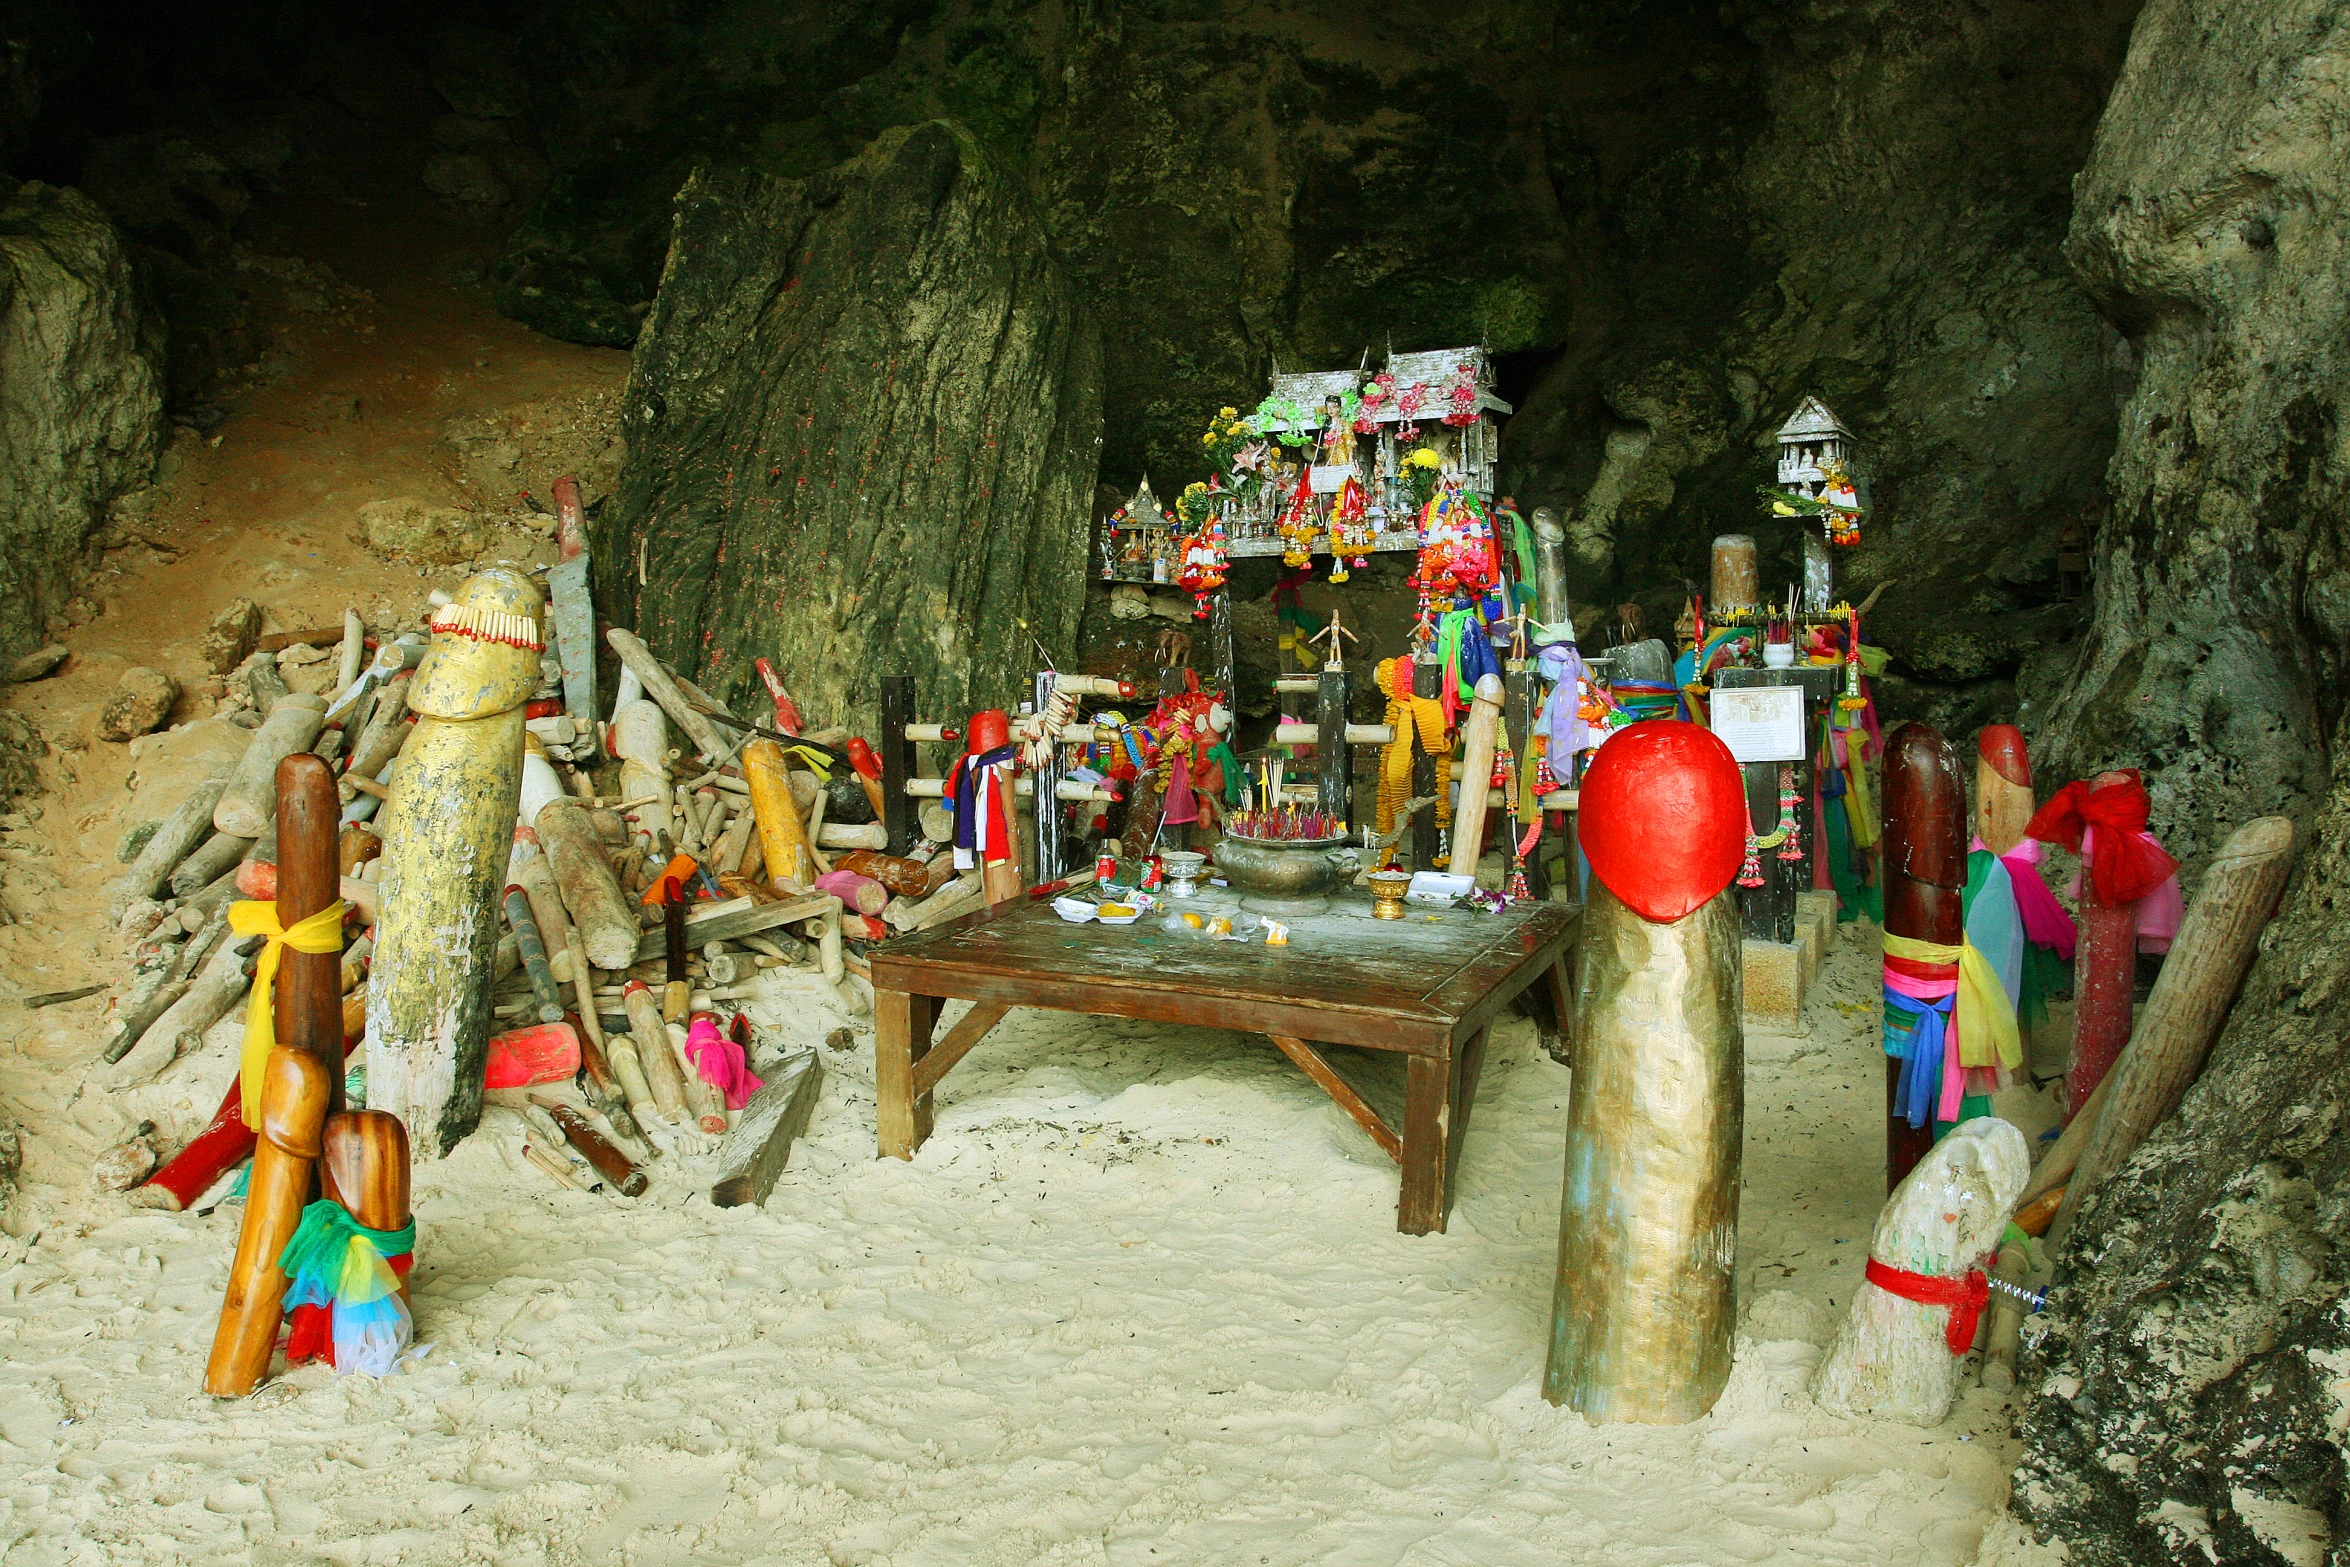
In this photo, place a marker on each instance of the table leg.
(1559, 983)
(902, 1023)
(1427, 1143)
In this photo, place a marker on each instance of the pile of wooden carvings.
(773, 901)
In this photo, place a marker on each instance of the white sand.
(1139, 1300)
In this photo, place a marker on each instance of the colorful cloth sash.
(1965, 1295)
(321, 932)
(336, 1264)
(981, 787)
(1927, 983)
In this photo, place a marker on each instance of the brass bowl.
(1286, 877)
(1387, 889)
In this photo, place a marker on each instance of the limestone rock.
(123, 1166)
(81, 404)
(230, 637)
(2184, 1404)
(815, 322)
(407, 528)
(40, 663)
(140, 703)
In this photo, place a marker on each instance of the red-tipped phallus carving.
(1663, 818)
(2002, 745)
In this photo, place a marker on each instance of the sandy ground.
(1139, 1300)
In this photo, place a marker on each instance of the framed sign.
(1760, 723)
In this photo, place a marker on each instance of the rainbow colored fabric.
(334, 1261)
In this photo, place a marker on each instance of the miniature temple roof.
(1144, 507)
(1812, 421)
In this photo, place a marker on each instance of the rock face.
(861, 429)
(2210, 222)
(81, 402)
(2186, 1403)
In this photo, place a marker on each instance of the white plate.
(1119, 919)
(1075, 910)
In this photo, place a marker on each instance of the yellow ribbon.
(321, 932)
(1984, 1018)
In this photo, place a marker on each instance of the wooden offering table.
(1428, 986)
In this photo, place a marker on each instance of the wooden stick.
(2007, 1315)
(653, 1055)
(180, 831)
(250, 799)
(2056, 1165)
(760, 1145)
(781, 831)
(956, 898)
(615, 1166)
(301, 1086)
(662, 689)
(602, 913)
(383, 738)
(2192, 997)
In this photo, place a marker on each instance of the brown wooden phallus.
(364, 1166)
(301, 1087)
(1925, 880)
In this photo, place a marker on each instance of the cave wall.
(861, 427)
(2188, 1404)
(1670, 221)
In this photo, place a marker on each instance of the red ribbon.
(2126, 863)
(1965, 1296)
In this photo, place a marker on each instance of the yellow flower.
(1227, 413)
(1208, 439)
(1782, 509)
(1425, 457)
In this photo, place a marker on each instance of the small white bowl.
(1075, 910)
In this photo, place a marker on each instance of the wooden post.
(301, 1085)
(2191, 999)
(897, 761)
(1476, 776)
(2105, 976)
(448, 831)
(1644, 1310)
(1925, 880)
(1333, 759)
(663, 689)
(1051, 862)
(1427, 776)
(247, 803)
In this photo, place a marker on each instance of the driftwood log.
(2197, 986)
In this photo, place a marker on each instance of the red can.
(1105, 869)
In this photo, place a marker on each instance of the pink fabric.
(845, 885)
(1920, 989)
(1181, 808)
(720, 1061)
(2046, 924)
